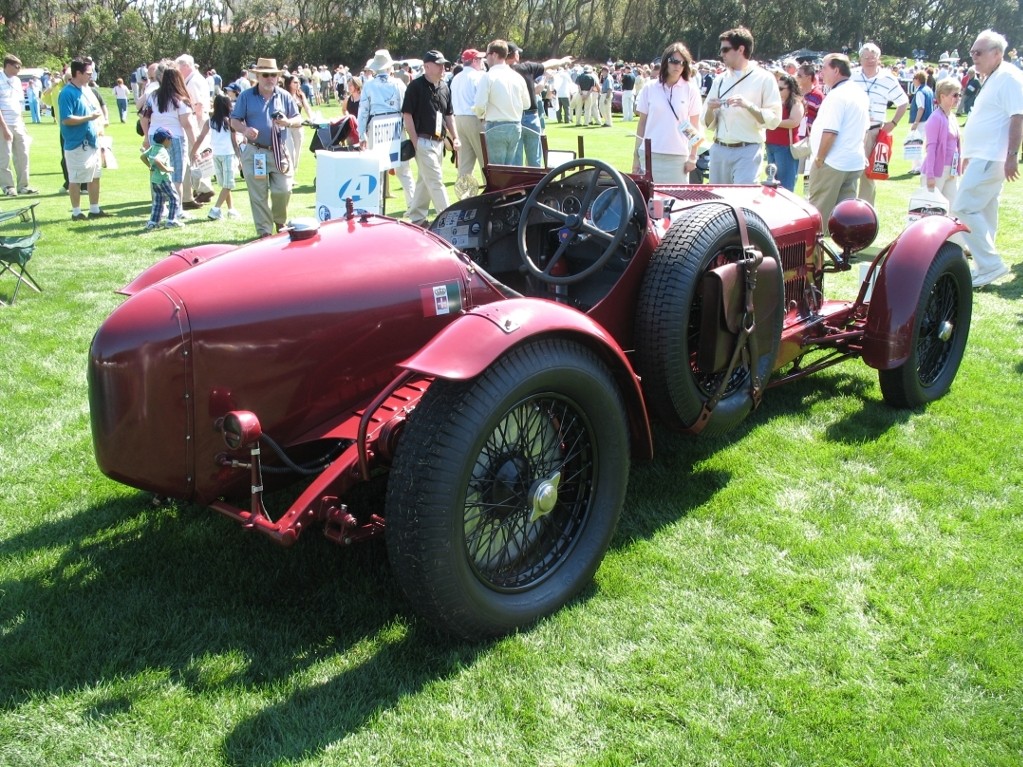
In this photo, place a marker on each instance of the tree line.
(228, 34)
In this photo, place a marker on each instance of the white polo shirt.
(845, 112)
(986, 135)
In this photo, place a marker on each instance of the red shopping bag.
(877, 163)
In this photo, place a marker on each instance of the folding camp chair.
(19, 232)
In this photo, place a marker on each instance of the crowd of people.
(196, 126)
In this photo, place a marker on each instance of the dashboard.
(486, 227)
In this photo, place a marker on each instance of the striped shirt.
(12, 99)
(880, 89)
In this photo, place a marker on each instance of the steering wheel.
(575, 224)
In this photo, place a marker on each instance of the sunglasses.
(674, 61)
(267, 75)
(725, 48)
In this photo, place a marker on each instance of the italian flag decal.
(441, 299)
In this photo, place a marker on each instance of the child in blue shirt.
(157, 159)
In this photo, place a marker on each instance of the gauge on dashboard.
(553, 204)
(606, 211)
(572, 206)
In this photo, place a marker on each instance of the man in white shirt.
(742, 104)
(141, 78)
(564, 87)
(463, 95)
(14, 139)
(881, 87)
(991, 142)
(501, 98)
(196, 190)
(836, 144)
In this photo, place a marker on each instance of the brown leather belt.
(734, 144)
(260, 146)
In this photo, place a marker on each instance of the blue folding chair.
(19, 232)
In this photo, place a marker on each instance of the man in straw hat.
(263, 114)
(383, 94)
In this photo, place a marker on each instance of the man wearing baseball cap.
(426, 111)
(469, 126)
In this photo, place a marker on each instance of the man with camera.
(263, 114)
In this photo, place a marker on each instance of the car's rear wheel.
(940, 330)
(669, 330)
(506, 489)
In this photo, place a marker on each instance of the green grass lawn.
(835, 583)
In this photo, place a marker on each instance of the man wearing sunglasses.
(743, 102)
(991, 143)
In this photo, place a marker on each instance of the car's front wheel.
(506, 489)
(940, 329)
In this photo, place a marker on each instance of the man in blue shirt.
(263, 114)
(79, 111)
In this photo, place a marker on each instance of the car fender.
(892, 309)
(470, 344)
(178, 261)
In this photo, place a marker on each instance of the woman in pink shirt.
(943, 164)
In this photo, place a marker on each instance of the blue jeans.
(530, 141)
(787, 165)
(502, 141)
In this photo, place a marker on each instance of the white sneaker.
(214, 214)
(232, 213)
(175, 223)
(986, 278)
(183, 217)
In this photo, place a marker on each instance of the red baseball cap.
(471, 54)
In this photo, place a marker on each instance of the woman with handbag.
(669, 115)
(942, 164)
(781, 139)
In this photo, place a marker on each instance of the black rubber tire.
(668, 325)
(548, 405)
(944, 308)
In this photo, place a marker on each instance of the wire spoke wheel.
(508, 542)
(940, 331)
(506, 489)
(936, 329)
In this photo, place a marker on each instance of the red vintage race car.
(498, 370)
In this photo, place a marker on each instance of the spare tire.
(671, 328)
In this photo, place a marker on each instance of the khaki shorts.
(83, 164)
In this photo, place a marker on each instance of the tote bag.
(800, 149)
(880, 158)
